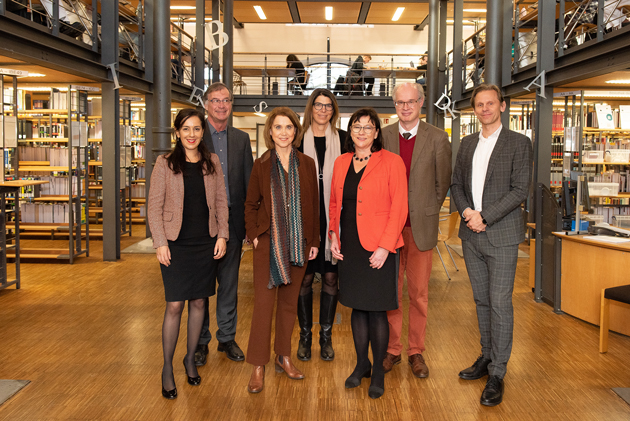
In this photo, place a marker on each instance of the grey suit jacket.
(240, 163)
(506, 186)
(429, 179)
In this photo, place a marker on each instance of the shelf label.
(13, 72)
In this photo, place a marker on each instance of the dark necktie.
(406, 135)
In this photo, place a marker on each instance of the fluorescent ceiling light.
(616, 82)
(475, 10)
(393, 116)
(260, 12)
(607, 94)
(329, 12)
(33, 75)
(398, 13)
(183, 8)
(260, 114)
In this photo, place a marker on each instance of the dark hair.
(486, 87)
(358, 114)
(295, 120)
(291, 58)
(177, 158)
(217, 86)
(308, 111)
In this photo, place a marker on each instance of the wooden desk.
(588, 267)
(266, 73)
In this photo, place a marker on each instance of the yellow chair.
(453, 223)
(620, 294)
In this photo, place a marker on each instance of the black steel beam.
(246, 103)
(494, 41)
(365, 8)
(432, 83)
(295, 13)
(422, 24)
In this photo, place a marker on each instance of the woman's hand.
(377, 259)
(334, 247)
(219, 248)
(163, 255)
(255, 242)
(313, 253)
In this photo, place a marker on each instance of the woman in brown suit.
(188, 216)
(282, 218)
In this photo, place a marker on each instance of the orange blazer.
(381, 200)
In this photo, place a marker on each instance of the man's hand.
(474, 220)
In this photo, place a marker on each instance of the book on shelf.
(624, 117)
(8, 131)
(604, 116)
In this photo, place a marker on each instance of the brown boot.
(257, 380)
(283, 363)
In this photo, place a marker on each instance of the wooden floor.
(88, 337)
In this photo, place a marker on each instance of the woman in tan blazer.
(188, 217)
(282, 218)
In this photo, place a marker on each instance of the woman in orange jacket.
(368, 205)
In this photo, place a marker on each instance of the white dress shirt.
(480, 165)
(413, 131)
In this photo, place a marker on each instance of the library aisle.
(88, 337)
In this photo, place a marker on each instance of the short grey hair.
(217, 86)
(417, 87)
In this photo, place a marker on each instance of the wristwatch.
(483, 220)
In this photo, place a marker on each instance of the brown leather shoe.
(390, 361)
(257, 380)
(283, 363)
(418, 366)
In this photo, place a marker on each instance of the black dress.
(192, 272)
(360, 286)
(320, 264)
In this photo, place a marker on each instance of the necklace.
(356, 158)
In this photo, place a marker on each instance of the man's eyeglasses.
(216, 101)
(318, 106)
(401, 104)
(366, 129)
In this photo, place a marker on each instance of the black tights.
(370, 327)
(329, 283)
(170, 333)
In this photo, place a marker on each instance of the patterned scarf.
(287, 237)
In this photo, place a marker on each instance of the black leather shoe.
(478, 370)
(305, 320)
(201, 354)
(232, 350)
(169, 394)
(493, 393)
(355, 378)
(193, 381)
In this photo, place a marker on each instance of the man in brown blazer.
(426, 151)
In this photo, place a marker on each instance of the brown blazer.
(258, 201)
(166, 202)
(429, 179)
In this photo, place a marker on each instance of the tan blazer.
(429, 179)
(258, 201)
(166, 202)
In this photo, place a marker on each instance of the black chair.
(620, 294)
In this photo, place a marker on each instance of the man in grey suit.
(490, 181)
(426, 152)
(235, 153)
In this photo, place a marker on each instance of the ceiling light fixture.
(616, 82)
(398, 13)
(329, 11)
(183, 7)
(475, 10)
(260, 12)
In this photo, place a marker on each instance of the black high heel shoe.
(169, 394)
(355, 380)
(375, 392)
(193, 381)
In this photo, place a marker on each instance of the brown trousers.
(259, 348)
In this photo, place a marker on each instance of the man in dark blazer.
(426, 151)
(490, 181)
(235, 154)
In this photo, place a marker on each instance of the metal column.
(439, 122)
(200, 45)
(228, 49)
(216, 65)
(494, 42)
(458, 65)
(111, 135)
(432, 81)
